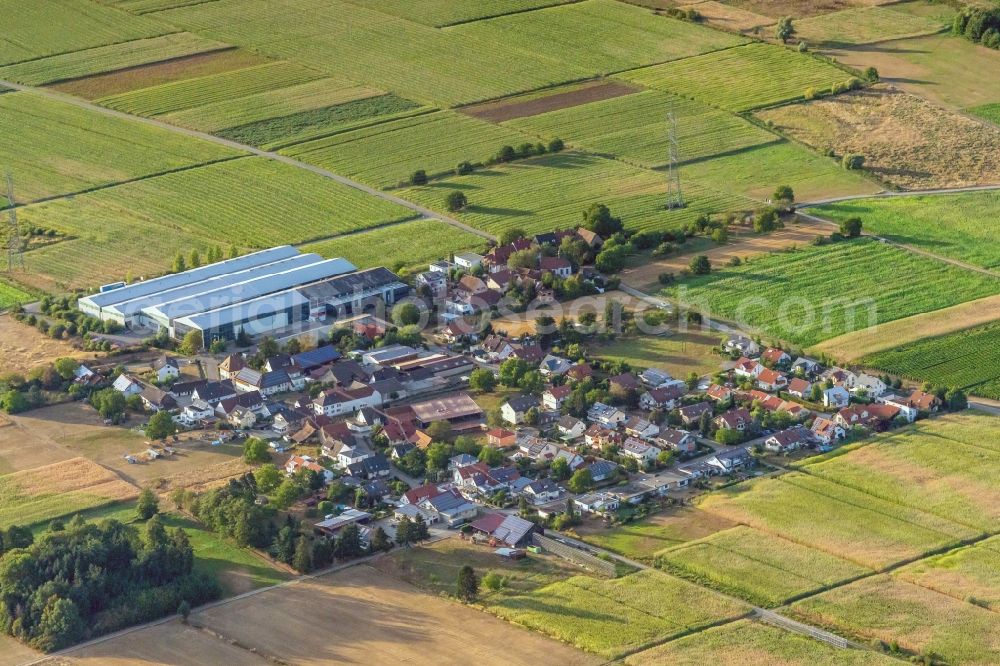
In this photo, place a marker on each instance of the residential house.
(809, 366)
(773, 403)
(597, 503)
(639, 450)
(554, 397)
(502, 528)
(196, 412)
(836, 397)
(593, 241)
(680, 441)
(734, 419)
(371, 467)
(624, 383)
(471, 284)
(868, 385)
(497, 348)
(397, 451)
(664, 397)
(655, 378)
(925, 402)
(691, 414)
(606, 415)
(872, 417)
(570, 427)
(456, 331)
(252, 400)
(335, 402)
(451, 507)
(501, 438)
(516, 408)
(155, 400)
(295, 463)
(435, 283)
(641, 428)
(231, 365)
(541, 491)
(461, 460)
(602, 470)
(731, 460)
(598, 436)
(530, 353)
(127, 384)
(242, 418)
(312, 359)
(827, 432)
(771, 380)
(468, 260)
(555, 265)
(579, 372)
(417, 495)
(501, 280)
(775, 357)
(911, 406)
(213, 392)
(165, 368)
(800, 388)
(740, 344)
(748, 368)
(554, 366)
(722, 395)
(788, 440)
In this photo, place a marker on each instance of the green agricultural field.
(634, 128)
(915, 468)
(407, 245)
(679, 353)
(109, 58)
(743, 78)
(954, 225)
(552, 192)
(54, 148)
(815, 293)
(755, 173)
(11, 296)
(968, 574)
(602, 36)
(148, 6)
(644, 539)
(920, 620)
(613, 617)
(969, 360)
(835, 519)
(755, 566)
(861, 25)
(191, 93)
(386, 154)
(747, 643)
(990, 112)
(252, 202)
(47, 27)
(414, 61)
(969, 427)
(440, 13)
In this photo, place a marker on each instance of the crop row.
(11, 295)
(439, 13)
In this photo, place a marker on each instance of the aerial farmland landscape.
(570, 332)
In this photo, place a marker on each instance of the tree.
(582, 481)
(853, 161)
(700, 265)
(179, 266)
(506, 154)
(406, 314)
(493, 581)
(59, 626)
(267, 347)
(147, 506)
(956, 400)
(467, 585)
(870, 74)
(267, 477)
(438, 455)
(784, 30)
(491, 456)
(612, 259)
(418, 177)
(192, 343)
(184, 610)
(420, 530)
(439, 431)
(784, 194)
(766, 220)
(14, 402)
(555, 145)
(160, 426)
(598, 219)
(413, 462)
(851, 227)
(218, 346)
(463, 168)
(109, 403)
(508, 236)
(560, 469)
(302, 560)
(66, 367)
(287, 493)
(456, 201)
(283, 547)
(482, 379)
(404, 531)
(380, 542)
(255, 450)
(194, 259)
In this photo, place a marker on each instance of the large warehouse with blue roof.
(258, 293)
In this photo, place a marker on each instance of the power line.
(675, 198)
(15, 249)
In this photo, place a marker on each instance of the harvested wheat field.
(906, 141)
(47, 492)
(742, 245)
(355, 616)
(24, 347)
(854, 345)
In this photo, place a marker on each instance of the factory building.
(259, 293)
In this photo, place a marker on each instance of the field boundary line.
(525, 10)
(423, 211)
(173, 31)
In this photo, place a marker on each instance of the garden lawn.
(418, 62)
(860, 25)
(918, 469)
(634, 128)
(749, 643)
(969, 360)
(440, 13)
(613, 617)
(191, 93)
(814, 293)
(103, 59)
(407, 245)
(919, 620)
(551, 192)
(967, 574)
(742, 78)
(755, 566)
(52, 148)
(602, 36)
(46, 27)
(960, 226)
(387, 154)
(11, 296)
(835, 519)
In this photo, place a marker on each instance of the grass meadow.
(968, 574)
(644, 539)
(860, 25)
(815, 293)
(11, 296)
(954, 225)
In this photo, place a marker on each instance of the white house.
(740, 344)
(787, 440)
(195, 412)
(748, 368)
(515, 409)
(166, 368)
(639, 450)
(554, 397)
(836, 397)
(641, 428)
(870, 385)
(606, 415)
(497, 348)
(552, 366)
(127, 384)
(599, 503)
(571, 427)
(827, 432)
(542, 491)
(468, 260)
(334, 402)
(731, 460)
(663, 397)
(677, 440)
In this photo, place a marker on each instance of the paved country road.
(423, 211)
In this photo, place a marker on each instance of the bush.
(853, 161)
(870, 74)
(851, 227)
(555, 145)
(666, 278)
(463, 168)
(418, 177)
(456, 201)
(506, 154)
(664, 249)
(700, 265)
